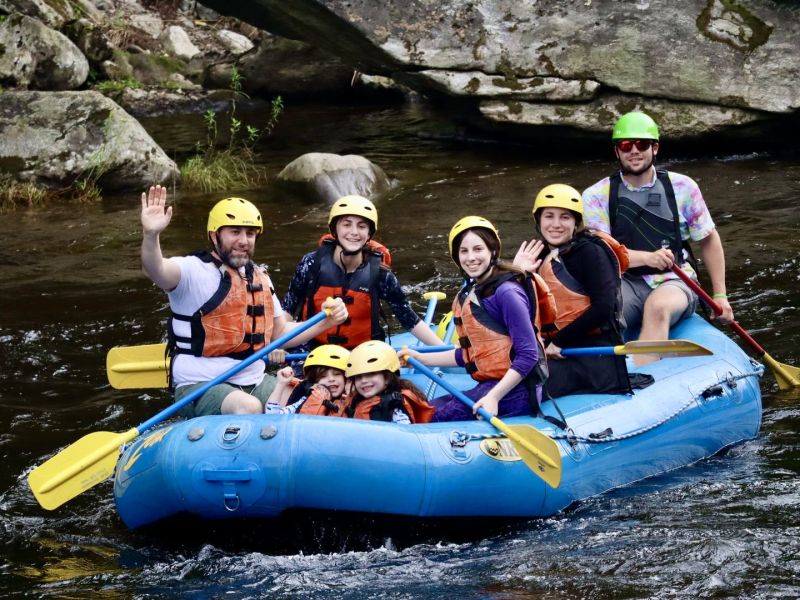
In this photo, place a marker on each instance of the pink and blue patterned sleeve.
(697, 222)
(595, 206)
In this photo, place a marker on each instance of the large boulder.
(326, 177)
(738, 59)
(56, 138)
(34, 56)
(286, 67)
(52, 14)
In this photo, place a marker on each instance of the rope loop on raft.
(460, 439)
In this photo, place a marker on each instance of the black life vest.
(571, 298)
(646, 220)
(358, 290)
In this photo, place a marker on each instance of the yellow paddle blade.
(663, 348)
(786, 375)
(78, 467)
(538, 451)
(437, 295)
(138, 366)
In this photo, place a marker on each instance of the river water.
(71, 288)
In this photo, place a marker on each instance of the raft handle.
(607, 432)
(231, 433)
(231, 500)
(712, 392)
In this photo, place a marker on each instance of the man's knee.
(241, 403)
(664, 304)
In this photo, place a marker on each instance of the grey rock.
(675, 119)
(34, 56)
(283, 66)
(56, 138)
(236, 43)
(177, 42)
(149, 23)
(734, 55)
(91, 40)
(480, 85)
(327, 177)
(52, 14)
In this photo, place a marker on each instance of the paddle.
(132, 367)
(786, 375)
(432, 298)
(664, 348)
(539, 452)
(92, 458)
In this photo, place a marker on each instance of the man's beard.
(628, 171)
(235, 262)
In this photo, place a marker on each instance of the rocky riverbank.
(525, 69)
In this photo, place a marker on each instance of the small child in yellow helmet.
(379, 393)
(321, 392)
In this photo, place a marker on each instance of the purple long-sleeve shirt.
(508, 305)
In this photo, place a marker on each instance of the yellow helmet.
(468, 223)
(354, 205)
(559, 195)
(372, 357)
(329, 355)
(230, 212)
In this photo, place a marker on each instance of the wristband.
(715, 296)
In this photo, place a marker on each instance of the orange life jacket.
(235, 322)
(319, 402)
(570, 297)
(360, 295)
(380, 408)
(485, 343)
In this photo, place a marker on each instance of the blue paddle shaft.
(599, 351)
(429, 311)
(447, 386)
(176, 406)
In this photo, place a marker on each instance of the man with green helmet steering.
(655, 213)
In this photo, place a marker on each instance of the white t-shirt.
(199, 281)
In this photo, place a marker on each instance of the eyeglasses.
(641, 145)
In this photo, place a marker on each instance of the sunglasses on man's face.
(627, 145)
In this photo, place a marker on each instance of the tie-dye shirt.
(695, 220)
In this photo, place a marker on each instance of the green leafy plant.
(21, 194)
(116, 85)
(216, 167)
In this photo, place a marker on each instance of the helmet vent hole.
(372, 360)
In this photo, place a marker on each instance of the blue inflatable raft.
(261, 465)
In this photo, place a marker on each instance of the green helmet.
(635, 126)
